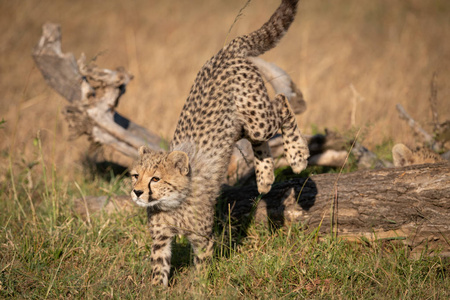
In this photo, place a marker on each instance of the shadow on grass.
(103, 169)
(238, 207)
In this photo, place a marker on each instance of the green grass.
(48, 252)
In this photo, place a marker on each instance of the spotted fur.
(227, 102)
(403, 156)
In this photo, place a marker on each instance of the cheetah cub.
(403, 156)
(227, 102)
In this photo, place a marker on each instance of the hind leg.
(201, 235)
(203, 249)
(295, 146)
(263, 163)
(262, 118)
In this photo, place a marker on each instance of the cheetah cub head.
(160, 180)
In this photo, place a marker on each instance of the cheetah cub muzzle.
(227, 102)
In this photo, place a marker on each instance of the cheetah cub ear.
(144, 150)
(402, 155)
(180, 161)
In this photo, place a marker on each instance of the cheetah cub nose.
(138, 192)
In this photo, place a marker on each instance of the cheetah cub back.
(228, 101)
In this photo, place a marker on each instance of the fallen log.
(410, 204)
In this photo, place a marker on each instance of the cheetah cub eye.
(134, 177)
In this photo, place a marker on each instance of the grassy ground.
(48, 252)
(338, 52)
(346, 56)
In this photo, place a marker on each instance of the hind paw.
(299, 165)
(297, 158)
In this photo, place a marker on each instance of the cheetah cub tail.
(267, 37)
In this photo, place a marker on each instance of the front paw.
(265, 183)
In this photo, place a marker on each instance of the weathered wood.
(59, 70)
(410, 204)
(93, 94)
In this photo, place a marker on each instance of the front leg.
(161, 255)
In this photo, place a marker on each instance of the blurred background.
(359, 56)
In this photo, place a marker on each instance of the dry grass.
(386, 50)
